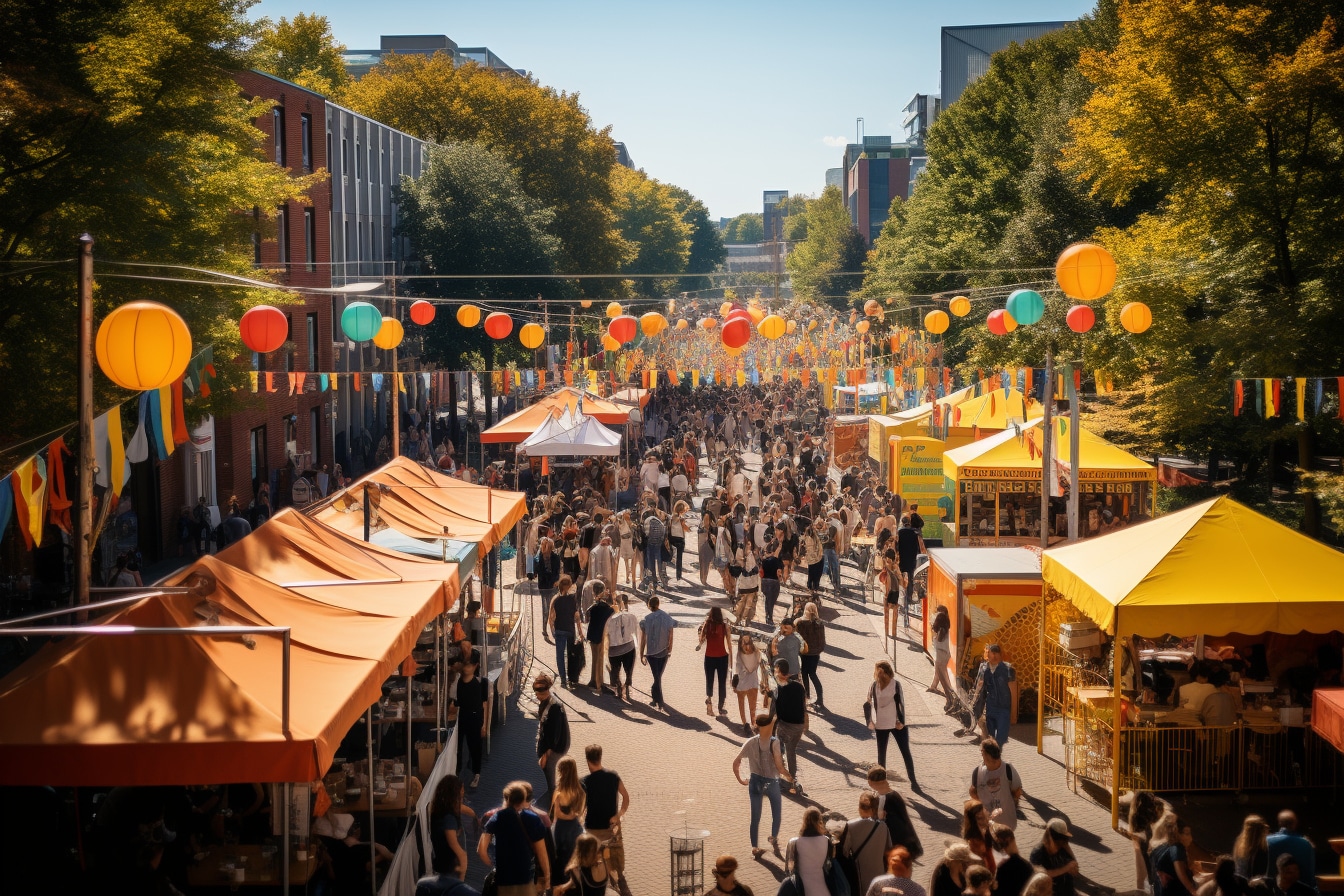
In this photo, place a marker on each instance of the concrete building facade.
(876, 171)
(966, 51)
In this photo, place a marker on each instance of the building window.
(328, 159)
(359, 162)
(315, 435)
(336, 309)
(359, 243)
(312, 342)
(282, 235)
(345, 157)
(278, 127)
(261, 474)
(375, 174)
(310, 239)
(291, 422)
(306, 130)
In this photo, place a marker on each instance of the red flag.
(58, 503)
(1278, 404)
(180, 434)
(1239, 397)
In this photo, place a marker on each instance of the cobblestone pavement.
(677, 764)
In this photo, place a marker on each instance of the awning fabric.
(521, 424)
(631, 395)
(1020, 451)
(421, 502)
(1213, 568)
(586, 437)
(105, 710)
(292, 548)
(993, 410)
(1327, 715)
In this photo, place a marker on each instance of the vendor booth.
(1225, 621)
(521, 424)
(996, 483)
(865, 398)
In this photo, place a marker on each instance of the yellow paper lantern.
(143, 345)
(960, 306)
(468, 315)
(1085, 271)
(532, 336)
(389, 334)
(708, 323)
(585, 303)
(756, 313)
(937, 321)
(652, 323)
(1136, 317)
(772, 327)
(615, 310)
(791, 327)
(609, 344)
(725, 308)
(872, 308)
(682, 324)
(862, 326)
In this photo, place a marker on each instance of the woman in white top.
(887, 717)
(629, 559)
(747, 678)
(620, 633)
(677, 527)
(808, 852)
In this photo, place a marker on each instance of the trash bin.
(688, 861)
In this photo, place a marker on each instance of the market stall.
(865, 398)
(996, 482)
(521, 424)
(1242, 596)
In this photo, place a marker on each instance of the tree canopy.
(823, 266)
(302, 50)
(744, 228)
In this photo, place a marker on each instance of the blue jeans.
(562, 640)
(653, 562)
(997, 723)
(657, 664)
(831, 561)
(757, 788)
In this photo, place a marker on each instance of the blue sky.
(725, 99)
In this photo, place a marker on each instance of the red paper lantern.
(264, 328)
(498, 325)
(996, 324)
(736, 332)
(623, 328)
(1081, 318)
(422, 312)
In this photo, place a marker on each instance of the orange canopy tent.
(521, 424)
(140, 709)
(292, 548)
(420, 502)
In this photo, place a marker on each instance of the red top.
(715, 635)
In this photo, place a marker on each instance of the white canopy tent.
(586, 436)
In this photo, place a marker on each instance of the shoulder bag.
(849, 861)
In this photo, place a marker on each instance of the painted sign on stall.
(917, 475)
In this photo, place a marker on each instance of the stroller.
(968, 708)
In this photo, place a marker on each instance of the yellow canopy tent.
(993, 410)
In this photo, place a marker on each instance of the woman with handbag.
(586, 872)
(748, 586)
(808, 853)
(718, 643)
(885, 714)
(746, 678)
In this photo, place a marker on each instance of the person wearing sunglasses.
(725, 879)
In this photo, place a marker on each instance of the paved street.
(678, 765)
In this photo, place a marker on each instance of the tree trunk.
(1311, 508)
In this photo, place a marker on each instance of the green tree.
(707, 251)
(562, 161)
(468, 214)
(649, 217)
(121, 119)
(302, 50)
(745, 228)
(823, 266)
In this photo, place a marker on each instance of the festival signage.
(917, 474)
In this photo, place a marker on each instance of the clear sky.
(726, 98)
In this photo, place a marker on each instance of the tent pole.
(1074, 448)
(438, 686)
(1040, 682)
(366, 512)
(1047, 436)
(410, 739)
(284, 836)
(368, 788)
(1117, 719)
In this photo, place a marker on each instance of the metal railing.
(1062, 671)
(1088, 740)
(1239, 757)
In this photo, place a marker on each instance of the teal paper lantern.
(1026, 306)
(361, 321)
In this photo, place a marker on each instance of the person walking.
(447, 854)
(622, 631)
(890, 579)
(788, 645)
(586, 873)
(813, 557)
(766, 766)
(677, 525)
(997, 785)
(865, 841)
(602, 564)
(942, 657)
(996, 688)
(808, 853)
(608, 801)
(771, 569)
(725, 554)
(1013, 871)
(885, 710)
(519, 838)
(567, 810)
(892, 811)
(909, 545)
(552, 729)
(566, 628)
(1055, 857)
(630, 558)
(1289, 840)
(725, 879)
(655, 646)
(790, 704)
(655, 534)
(746, 677)
(975, 831)
(813, 632)
(949, 875)
(897, 879)
(705, 546)
(471, 695)
(599, 614)
(546, 565)
(748, 585)
(717, 641)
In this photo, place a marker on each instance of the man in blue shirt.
(519, 837)
(1288, 841)
(996, 685)
(655, 646)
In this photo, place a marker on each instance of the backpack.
(848, 862)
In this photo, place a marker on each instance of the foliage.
(1329, 491)
(707, 251)
(121, 119)
(822, 266)
(649, 218)
(561, 160)
(302, 50)
(745, 228)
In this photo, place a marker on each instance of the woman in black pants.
(813, 631)
(885, 709)
(718, 644)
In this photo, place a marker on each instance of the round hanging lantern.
(623, 329)
(862, 326)
(1026, 306)
(1136, 317)
(264, 328)
(586, 303)
(811, 325)
(143, 345)
(422, 312)
(652, 323)
(756, 313)
(995, 322)
(872, 308)
(615, 310)
(609, 344)
(682, 324)
(725, 308)
(791, 327)
(498, 325)
(360, 321)
(1085, 271)
(960, 306)
(1080, 318)
(708, 323)
(735, 333)
(937, 321)
(468, 315)
(531, 336)
(389, 334)
(772, 327)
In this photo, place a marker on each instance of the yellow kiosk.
(996, 487)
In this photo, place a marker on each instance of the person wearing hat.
(725, 879)
(949, 875)
(1055, 857)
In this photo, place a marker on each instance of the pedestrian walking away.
(765, 764)
(547, 567)
(655, 646)
(552, 730)
(471, 695)
(897, 879)
(790, 707)
(622, 632)
(519, 838)
(725, 879)
(599, 614)
(771, 569)
(863, 845)
(1013, 871)
(892, 811)
(717, 642)
(808, 854)
(885, 714)
(746, 678)
(608, 801)
(1055, 857)
(813, 632)
(567, 811)
(566, 628)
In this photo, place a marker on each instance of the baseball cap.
(1059, 829)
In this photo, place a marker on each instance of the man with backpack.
(996, 784)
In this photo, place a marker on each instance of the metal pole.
(368, 789)
(1073, 455)
(438, 685)
(1047, 438)
(83, 540)
(284, 682)
(410, 741)
(367, 512)
(1040, 681)
(396, 383)
(284, 831)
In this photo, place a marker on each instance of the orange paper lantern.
(389, 335)
(1136, 317)
(736, 332)
(960, 306)
(772, 327)
(498, 325)
(531, 336)
(422, 312)
(264, 328)
(708, 323)
(652, 323)
(623, 328)
(614, 310)
(468, 315)
(1085, 271)
(937, 321)
(142, 346)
